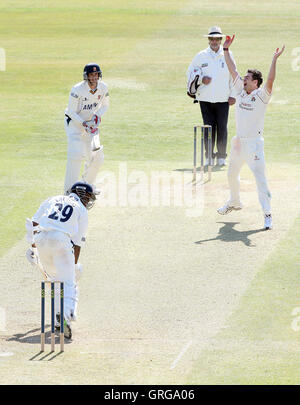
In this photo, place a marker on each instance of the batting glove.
(32, 256)
(90, 127)
(96, 120)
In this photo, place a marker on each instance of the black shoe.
(67, 330)
(67, 327)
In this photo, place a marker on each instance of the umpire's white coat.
(212, 64)
(83, 104)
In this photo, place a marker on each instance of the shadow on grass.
(33, 337)
(227, 233)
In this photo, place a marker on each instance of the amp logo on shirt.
(253, 98)
(87, 106)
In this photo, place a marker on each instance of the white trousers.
(79, 149)
(57, 258)
(250, 151)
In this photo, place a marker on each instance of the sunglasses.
(216, 38)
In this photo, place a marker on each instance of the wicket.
(43, 295)
(204, 129)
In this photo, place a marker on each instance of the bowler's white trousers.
(80, 148)
(250, 151)
(55, 251)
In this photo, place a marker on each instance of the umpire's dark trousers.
(216, 115)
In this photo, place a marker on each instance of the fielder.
(248, 144)
(88, 101)
(56, 233)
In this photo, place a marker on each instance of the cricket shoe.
(67, 327)
(228, 208)
(67, 330)
(207, 162)
(221, 162)
(268, 222)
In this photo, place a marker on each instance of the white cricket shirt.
(250, 110)
(66, 214)
(213, 64)
(84, 102)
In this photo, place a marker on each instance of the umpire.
(210, 83)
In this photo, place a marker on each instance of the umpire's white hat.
(215, 32)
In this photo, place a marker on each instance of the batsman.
(56, 233)
(88, 101)
(248, 144)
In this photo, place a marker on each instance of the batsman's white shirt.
(65, 214)
(84, 102)
(212, 64)
(250, 110)
(61, 219)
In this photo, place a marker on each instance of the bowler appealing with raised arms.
(248, 144)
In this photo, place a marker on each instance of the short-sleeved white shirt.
(84, 102)
(250, 110)
(66, 214)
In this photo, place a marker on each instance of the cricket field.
(172, 292)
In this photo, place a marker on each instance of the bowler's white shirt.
(84, 102)
(66, 214)
(250, 110)
(213, 64)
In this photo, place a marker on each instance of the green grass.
(145, 47)
(258, 344)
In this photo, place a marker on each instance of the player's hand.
(92, 130)
(228, 41)
(206, 80)
(90, 127)
(32, 256)
(96, 120)
(278, 52)
(231, 100)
